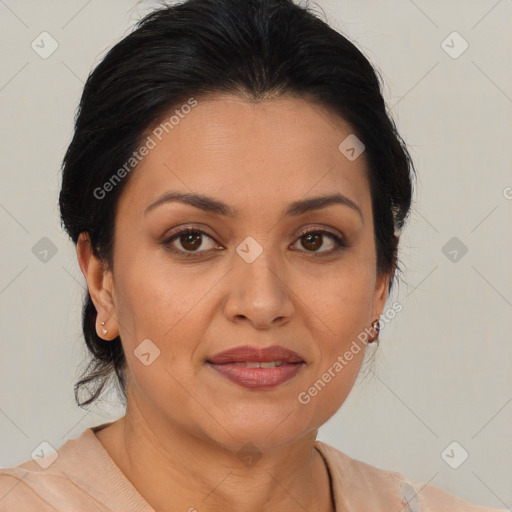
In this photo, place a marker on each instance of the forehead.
(243, 151)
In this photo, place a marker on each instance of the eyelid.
(322, 228)
(195, 227)
(178, 230)
(338, 239)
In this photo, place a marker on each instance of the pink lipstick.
(257, 368)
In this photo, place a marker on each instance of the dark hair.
(255, 48)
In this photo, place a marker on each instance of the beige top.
(85, 478)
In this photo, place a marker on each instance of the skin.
(184, 423)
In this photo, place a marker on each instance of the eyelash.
(167, 243)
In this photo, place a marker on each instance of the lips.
(244, 354)
(257, 368)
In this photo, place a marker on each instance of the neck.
(174, 470)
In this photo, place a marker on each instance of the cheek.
(341, 299)
(342, 306)
(150, 296)
(159, 304)
(328, 389)
(158, 301)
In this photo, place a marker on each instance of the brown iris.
(313, 245)
(192, 239)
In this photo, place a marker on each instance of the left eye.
(314, 239)
(191, 241)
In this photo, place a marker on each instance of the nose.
(258, 293)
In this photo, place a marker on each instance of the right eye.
(190, 239)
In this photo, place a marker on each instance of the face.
(252, 278)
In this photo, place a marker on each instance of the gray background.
(442, 372)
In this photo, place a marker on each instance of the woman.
(236, 192)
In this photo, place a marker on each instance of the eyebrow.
(212, 205)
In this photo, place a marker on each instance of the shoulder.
(80, 476)
(30, 487)
(435, 498)
(53, 480)
(22, 488)
(372, 487)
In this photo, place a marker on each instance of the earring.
(103, 329)
(376, 328)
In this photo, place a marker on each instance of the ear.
(101, 287)
(380, 295)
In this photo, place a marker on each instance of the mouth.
(249, 354)
(259, 364)
(257, 368)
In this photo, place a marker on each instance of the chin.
(263, 428)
